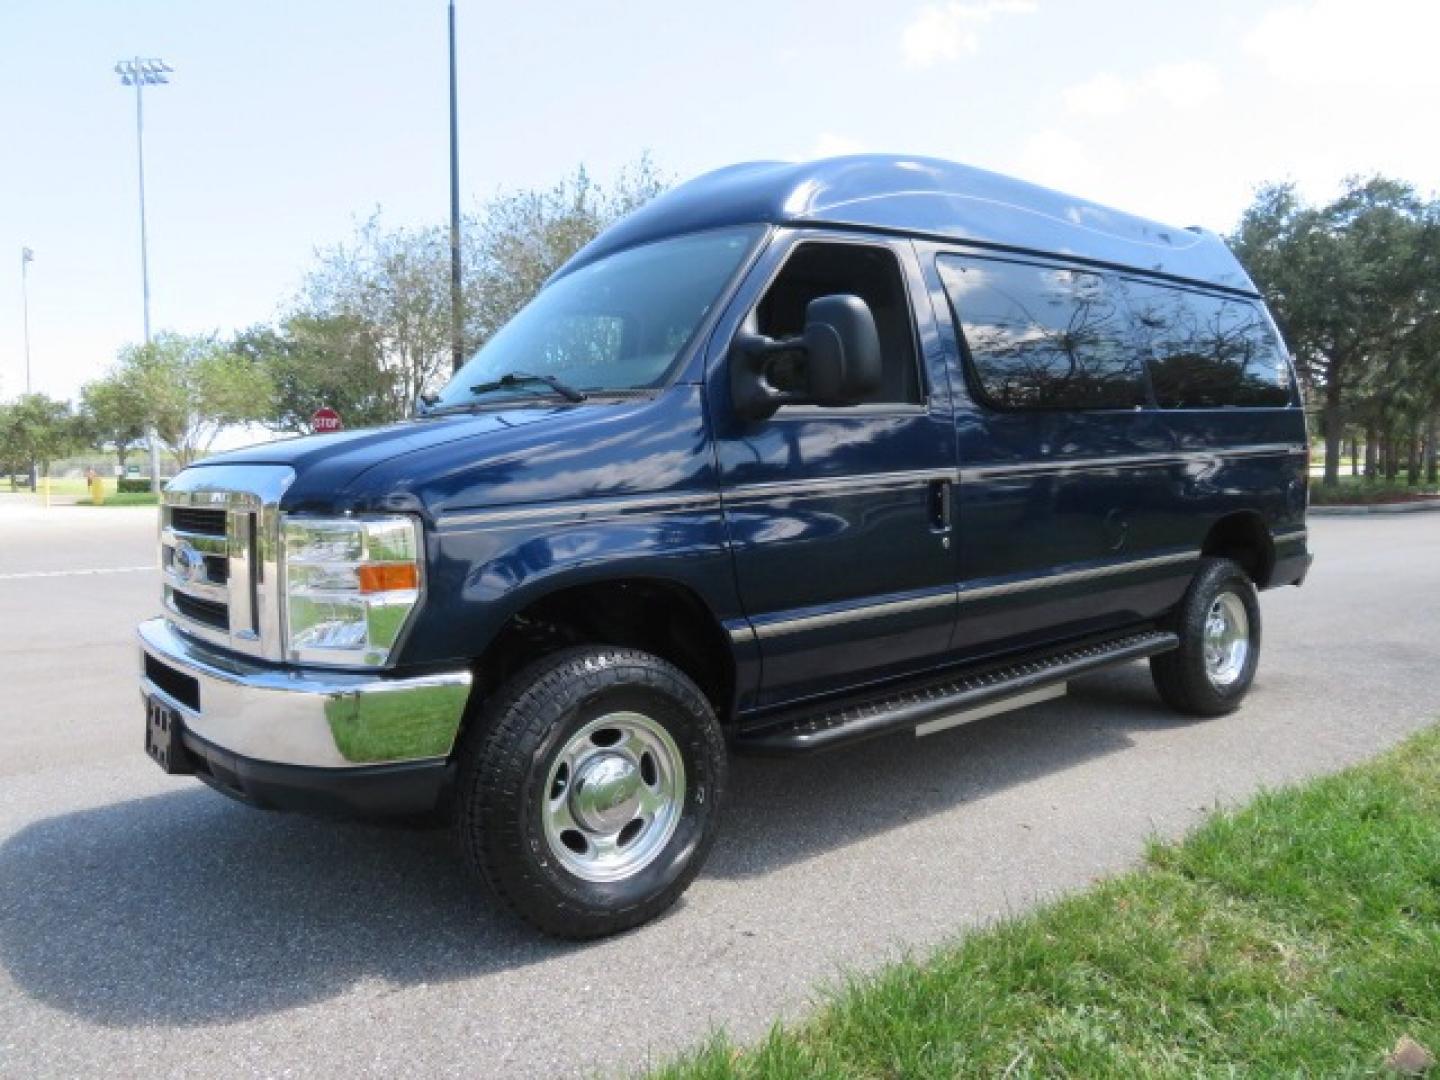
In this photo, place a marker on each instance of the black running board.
(855, 721)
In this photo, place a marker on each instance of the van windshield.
(618, 324)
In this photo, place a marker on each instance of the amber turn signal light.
(387, 577)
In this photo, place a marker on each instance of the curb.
(1419, 507)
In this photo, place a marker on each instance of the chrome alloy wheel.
(613, 797)
(1227, 640)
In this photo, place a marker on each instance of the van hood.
(359, 449)
(533, 453)
(332, 463)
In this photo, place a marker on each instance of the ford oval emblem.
(189, 563)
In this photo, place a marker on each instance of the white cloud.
(1358, 43)
(1184, 85)
(1308, 92)
(941, 32)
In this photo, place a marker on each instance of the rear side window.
(1208, 352)
(1044, 337)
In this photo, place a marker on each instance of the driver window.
(871, 273)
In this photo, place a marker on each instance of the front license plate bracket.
(163, 730)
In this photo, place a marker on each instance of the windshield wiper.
(521, 378)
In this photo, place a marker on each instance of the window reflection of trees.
(582, 342)
(1052, 338)
(1208, 351)
(1044, 337)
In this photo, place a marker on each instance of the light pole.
(26, 258)
(141, 72)
(457, 316)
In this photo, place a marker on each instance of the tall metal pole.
(140, 72)
(457, 314)
(26, 257)
(140, 156)
(153, 439)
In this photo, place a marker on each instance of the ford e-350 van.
(796, 455)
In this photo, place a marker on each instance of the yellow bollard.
(97, 491)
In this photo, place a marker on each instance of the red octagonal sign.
(326, 419)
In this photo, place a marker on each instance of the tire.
(1208, 675)
(562, 764)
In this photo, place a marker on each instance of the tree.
(11, 461)
(520, 238)
(387, 295)
(1346, 283)
(320, 361)
(113, 414)
(192, 388)
(370, 328)
(36, 429)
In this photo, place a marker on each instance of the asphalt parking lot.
(151, 927)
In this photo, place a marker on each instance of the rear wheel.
(1218, 622)
(588, 791)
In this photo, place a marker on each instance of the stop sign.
(326, 419)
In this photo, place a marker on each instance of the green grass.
(128, 498)
(1357, 489)
(1299, 936)
(76, 488)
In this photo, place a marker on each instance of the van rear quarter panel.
(1093, 496)
(1043, 492)
(1243, 459)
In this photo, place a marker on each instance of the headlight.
(350, 586)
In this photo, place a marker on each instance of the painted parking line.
(75, 573)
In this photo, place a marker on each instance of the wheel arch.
(1243, 537)
(659, 615)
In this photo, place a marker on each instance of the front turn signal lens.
(387, 577)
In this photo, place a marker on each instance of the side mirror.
(835, 362)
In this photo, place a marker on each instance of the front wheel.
(1218, 622)
(588, 792)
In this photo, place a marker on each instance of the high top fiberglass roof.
(925, 197)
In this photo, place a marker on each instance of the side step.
(855, 721)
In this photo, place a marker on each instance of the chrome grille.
(209, 612)
(192, 519)
(219, 528)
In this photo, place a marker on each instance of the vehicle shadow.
(186, 909)
(782, 811)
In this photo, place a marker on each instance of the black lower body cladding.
(376, 791)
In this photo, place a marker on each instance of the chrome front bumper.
(284, 716)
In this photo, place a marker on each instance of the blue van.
(796, 455)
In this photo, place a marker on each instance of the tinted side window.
(1208, 351)
(1044, 337)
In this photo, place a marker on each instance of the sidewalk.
(25, 498)
(32, 508)
(1417, 506)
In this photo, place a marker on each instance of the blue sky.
(286, 122)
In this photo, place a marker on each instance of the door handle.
(939, 496)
